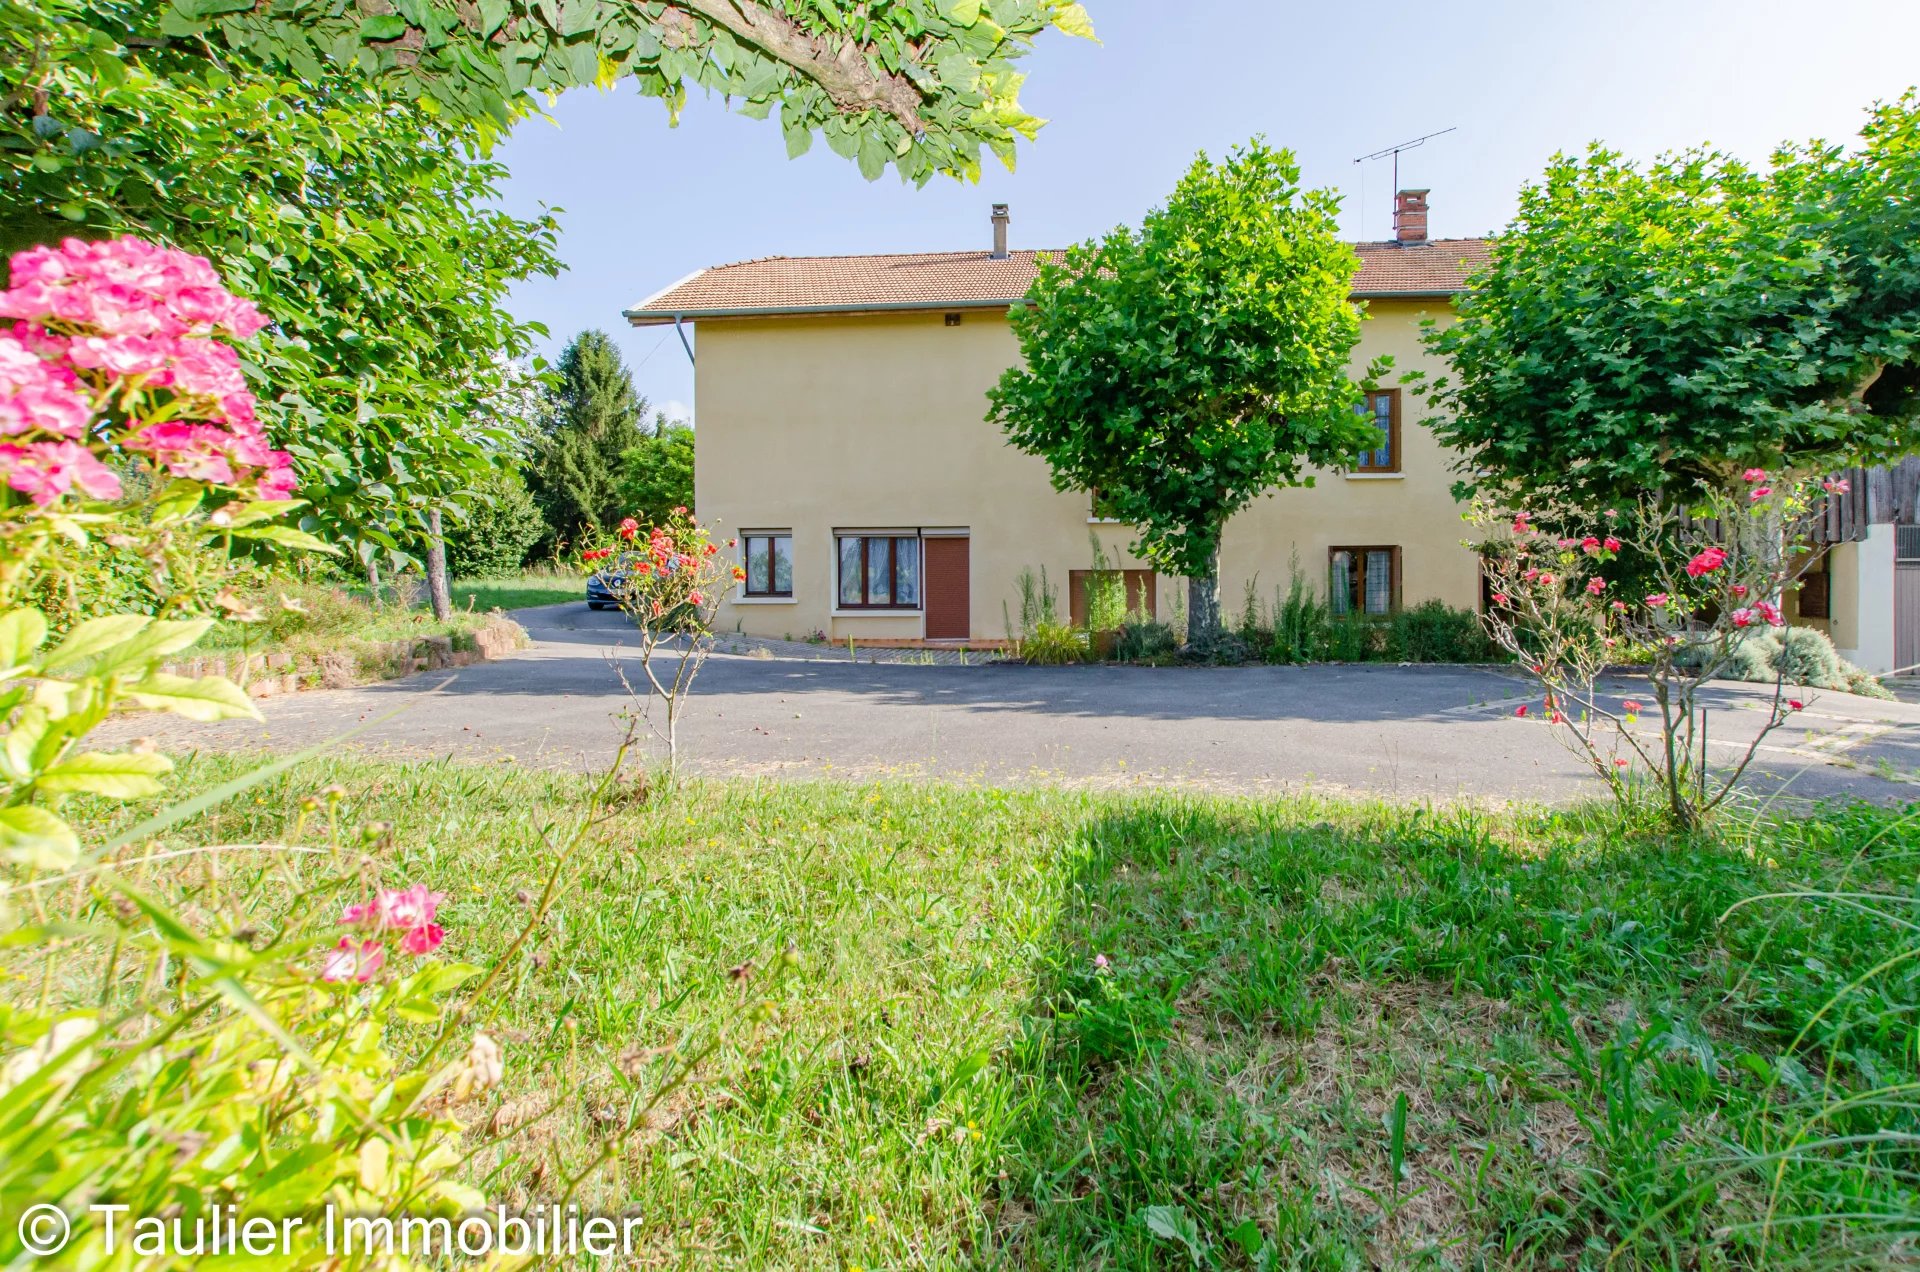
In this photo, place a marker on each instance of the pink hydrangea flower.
(44, 471)
(353, 960)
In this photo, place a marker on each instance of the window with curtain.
(879, 571)
(1383, 407)
(1363, 580)
(769, 564)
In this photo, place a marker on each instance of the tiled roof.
(945, 280)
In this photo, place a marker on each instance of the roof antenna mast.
(1415, 144)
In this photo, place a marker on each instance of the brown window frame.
(893, 573)
(1372, 413)
(746, 562)
(1360, 576)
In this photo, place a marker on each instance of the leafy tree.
(1184, 368)
(500, 526)
(919, 84)
(597, 418)
(1651, 329)
(361, 223)
(656, 475)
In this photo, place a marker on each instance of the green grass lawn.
(534, 587)
(1051, 1029)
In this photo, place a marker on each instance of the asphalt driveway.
(1392, 731)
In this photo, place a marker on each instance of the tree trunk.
(373, 582)
(437, 594)
(1203, 605)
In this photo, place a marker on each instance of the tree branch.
(844, 72)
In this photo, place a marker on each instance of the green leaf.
(125, 775)
(288, 537)
(963, 12)
(22, 631)
(94, 637)
(1073, 20)
(206, 699)
(384, 26)
(34, 837)
(264, 510)
(1173, 1223)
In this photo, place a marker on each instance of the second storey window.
(879, 571)
(1363, 580)
(769, 561)
(1383, 408)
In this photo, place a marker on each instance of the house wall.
(1862, 627)
(877, 422)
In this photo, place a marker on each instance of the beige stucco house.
(843, 439)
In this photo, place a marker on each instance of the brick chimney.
(1410, 216)
(1000, 219)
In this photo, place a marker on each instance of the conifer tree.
(597, 417)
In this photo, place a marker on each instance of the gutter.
(655, 317)
(659, 317)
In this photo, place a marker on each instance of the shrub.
(502, 525)
(1142, 639)
(1434, 631)
(1715, 563)
(1054, 644)
(1106, 591)
(1795, 655)
(1301, 622)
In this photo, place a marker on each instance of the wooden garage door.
(949, 599)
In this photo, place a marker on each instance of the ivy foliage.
(1186, 367)
(362, 223)
(1652, 328)
(922, 85)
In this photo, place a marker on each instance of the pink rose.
(1754, 474)
(353, 960)
(1657, 601)
(1708, 560)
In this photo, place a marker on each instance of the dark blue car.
(605, 586)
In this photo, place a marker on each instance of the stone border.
(267, 675)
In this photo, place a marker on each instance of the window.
(1100, 508)
(769, 564)
(879, 571)
(1363, 580)
(1384, 409)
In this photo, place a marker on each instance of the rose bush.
(1716, 572)
(669, 579)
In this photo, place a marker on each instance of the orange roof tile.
(957, 280)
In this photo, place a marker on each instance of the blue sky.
(643, 204)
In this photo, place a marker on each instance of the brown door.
(1140, 593)
(949, 601)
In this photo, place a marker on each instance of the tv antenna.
(1415, 144)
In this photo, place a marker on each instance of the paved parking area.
(1393, 731)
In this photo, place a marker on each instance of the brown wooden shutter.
(949, 596)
